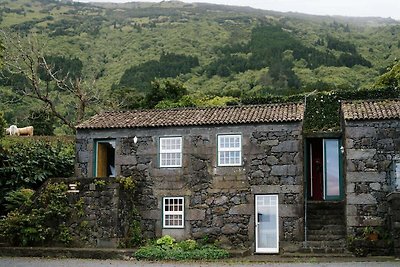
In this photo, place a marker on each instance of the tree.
(42, 121)
(390, 79)
(46, 82)
(1, 53)
(3, 125)
(164, 90)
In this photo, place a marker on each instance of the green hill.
(212, 50)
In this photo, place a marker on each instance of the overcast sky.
(357, 8)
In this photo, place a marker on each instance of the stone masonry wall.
(219, 201)
(104, 212)
(370, 147)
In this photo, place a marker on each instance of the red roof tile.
(371, 109)
(196, 116)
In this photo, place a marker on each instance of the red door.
(316, 170)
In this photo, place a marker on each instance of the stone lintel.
(365, 177)
(270, 189)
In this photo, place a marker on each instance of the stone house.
(247, 176)
(372, 153)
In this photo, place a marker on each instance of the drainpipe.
(304, 176)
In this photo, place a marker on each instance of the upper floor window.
(230, 150)
(170, 151)
(104, 165)
(173, 212)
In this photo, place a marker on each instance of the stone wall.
(370, 147)
(394, 214)
(104, 212)
(219, 201)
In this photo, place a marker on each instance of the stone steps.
(326, 228)
(334, 246)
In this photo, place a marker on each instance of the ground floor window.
(104, 163)
(173, 212)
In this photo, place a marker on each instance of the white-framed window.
(170, 151)
(173, 212)
(230, 150)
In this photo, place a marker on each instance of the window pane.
(332, 167)
(229, 147)
(173, 212)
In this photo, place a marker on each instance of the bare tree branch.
(26, 57)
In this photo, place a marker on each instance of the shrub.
(3, 125)
(40, 222)
(18, 198)
(166, 248)
(27, 163)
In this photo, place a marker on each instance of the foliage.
(18, 198)
(340, 45)
(3, 125)
(169, 65)
(27, 163)
(220, 51)
(166, 248)
(41, 222)
(391, 78)
(323, 108)
(62, 67)
(100, 182)
(127, 182)
(42, 121)
(164, 90)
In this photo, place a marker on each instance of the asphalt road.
(41, 262)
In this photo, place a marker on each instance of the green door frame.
(307, 168)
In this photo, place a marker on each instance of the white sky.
(355, 8)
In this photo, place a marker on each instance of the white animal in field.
(26, 131)
(14, 130)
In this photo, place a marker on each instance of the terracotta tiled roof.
(371, 109)
(196, 116)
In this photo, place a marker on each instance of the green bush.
(41, 222)
(27, 163)
(166, 248)
(3, 125)
(16, 199)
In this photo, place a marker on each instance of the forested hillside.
(91, 57)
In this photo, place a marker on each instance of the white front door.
(267, 226)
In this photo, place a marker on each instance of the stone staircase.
(326, 227)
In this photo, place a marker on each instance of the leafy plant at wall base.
(166, 248)
(41, 222)
(18, 198)
(27, 163)
(127, 182)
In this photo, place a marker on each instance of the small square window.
(171, 152)
(229, 150)
(173, 210)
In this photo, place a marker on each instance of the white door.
(266, 219)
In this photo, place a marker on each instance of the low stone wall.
(104, 212)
